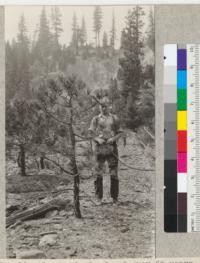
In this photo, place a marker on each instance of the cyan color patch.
(182, 79)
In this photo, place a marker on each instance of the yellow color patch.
(181, 120)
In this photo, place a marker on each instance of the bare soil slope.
(108, 231)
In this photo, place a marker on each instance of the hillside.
(126, 230)
(96, 71)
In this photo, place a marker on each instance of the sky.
(32, 14)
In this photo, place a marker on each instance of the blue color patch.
(182, 79)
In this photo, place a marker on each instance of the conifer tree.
(97, 16)
(75, 34)
(56, 23)
(23, 61)
(113, 33)
(44, 41)
(83, 33)
(11, 72)
(130, 70)
(105, 40)
(151, 31)
(57, 30)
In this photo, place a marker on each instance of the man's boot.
(114, 189)
(98, 184)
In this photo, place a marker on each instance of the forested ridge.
(53, 92)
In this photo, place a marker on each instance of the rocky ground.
(105, 231)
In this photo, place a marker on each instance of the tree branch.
(65, 106)
(97, 100)
(59, 166)
(82, 112)
(55, 118)
(148, 132)
(82, 137)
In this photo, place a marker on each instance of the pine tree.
(44, 42)
(151, 31)
(75, 34)
(57, 30)
(114, 94)
(19, 129)
(123, 37)
(113, 33)
(23, 61)
(11, 70)
(83, 33)
(54, 91)
(56, 23)
(130, 70)
(97, 24)
(105, 40)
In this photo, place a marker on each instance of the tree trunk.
(96, 39)
(99, 39)
(37, 163)
(19, 159)
(22, 160)
(77, 40)
(42, 166)
(77, 211)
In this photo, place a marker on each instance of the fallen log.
(37, 211)
(11, 208)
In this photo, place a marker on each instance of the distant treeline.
(132, 88)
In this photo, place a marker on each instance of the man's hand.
(99, 140)
(111, 140)
(115, 138)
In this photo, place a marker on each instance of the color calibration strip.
(182, 138)
(170, 138)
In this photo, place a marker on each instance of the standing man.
(105, 131)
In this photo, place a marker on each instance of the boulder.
(63, 213)
(48, 240)
(51, 213)
(30, 254)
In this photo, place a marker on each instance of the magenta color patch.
(182, 162)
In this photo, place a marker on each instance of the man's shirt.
(105, 127)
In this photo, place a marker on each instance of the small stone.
(63, 213)
(70, 213)
(27, 227)
(68, 248)
(11, 254)
(61, 187)
(99, 246)
(58, 226)
(48, 240)
(51, 214)
(73, 253)
(46, 172)
(124, 230)
(30, 254)
(48, 233)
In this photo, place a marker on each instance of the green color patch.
(182, 99)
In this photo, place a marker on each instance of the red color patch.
(182, 141)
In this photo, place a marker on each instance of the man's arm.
(92, 128)
(92, 131)
(116, 137)
(117, 129)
